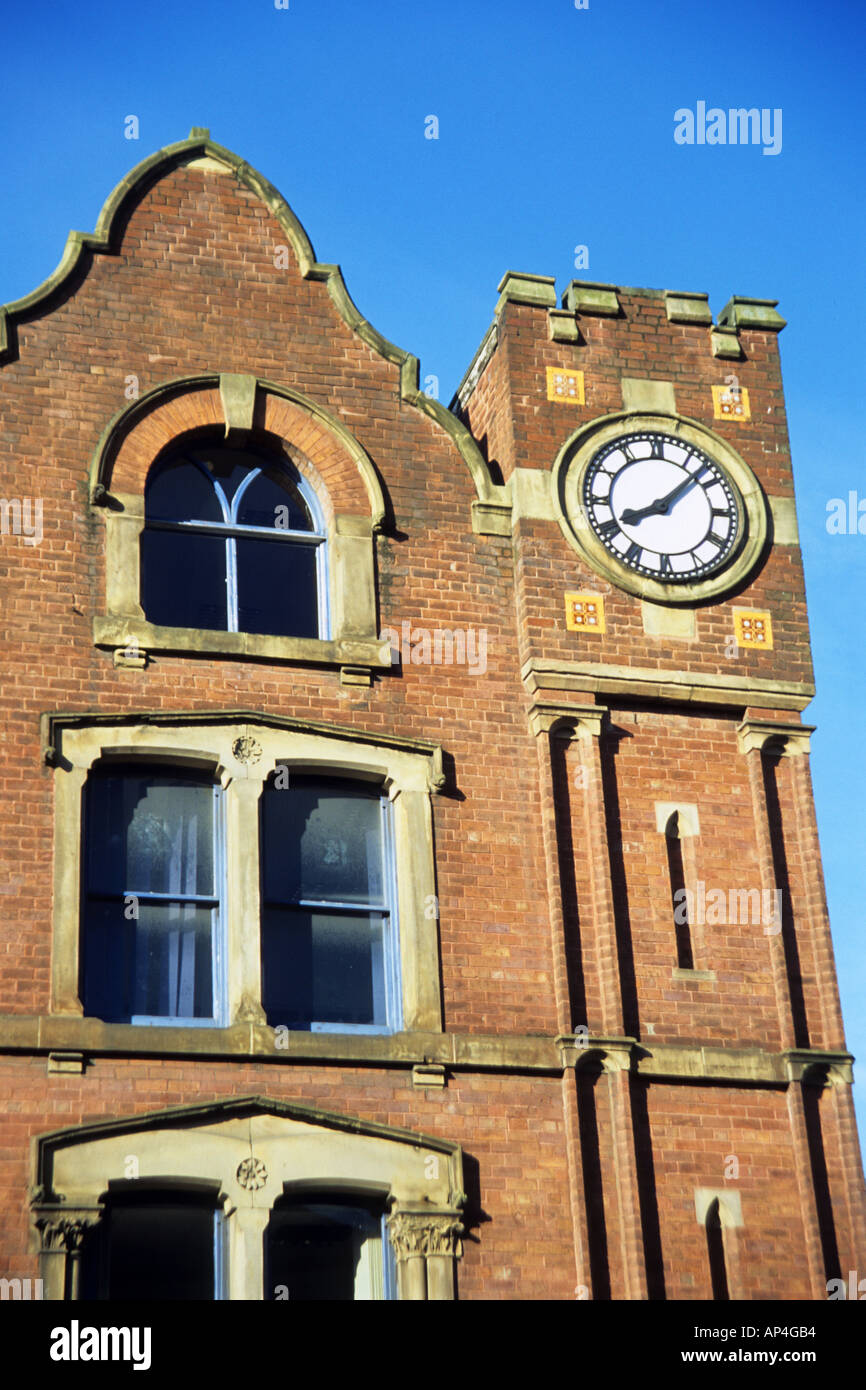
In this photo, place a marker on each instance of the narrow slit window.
(679, 894)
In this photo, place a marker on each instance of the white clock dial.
(662, 507)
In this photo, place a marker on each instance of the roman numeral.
(721, 511)
(665, 566)
(608, 528)
(657, 448)
(717, 540)
(634, 553)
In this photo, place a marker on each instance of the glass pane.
(273, 500)
(230, 467)
(158, 966)
(108, 962)
(277, 587)
(160, 1249)
(323, 841)
(150, 834)
(183, 579)
(179, 491)
(322, 968)
(313, 1254)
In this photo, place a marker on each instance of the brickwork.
(553, 882)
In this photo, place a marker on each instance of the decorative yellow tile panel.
(753, 628)
(585, 613)
(731, 403)
(565, 386)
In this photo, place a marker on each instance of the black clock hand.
(660, 506)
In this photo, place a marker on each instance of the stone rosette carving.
(251, 1174)
(246, 749)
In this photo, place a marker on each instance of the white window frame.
(242, 756)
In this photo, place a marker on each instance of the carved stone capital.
(64, 1234)
(425, 1233)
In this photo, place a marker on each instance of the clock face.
(662, 507)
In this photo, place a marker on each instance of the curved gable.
(200, 149)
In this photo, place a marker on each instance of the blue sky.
(555, 129)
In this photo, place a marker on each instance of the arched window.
(329, 1249)
(234, 541)
(156, 1241)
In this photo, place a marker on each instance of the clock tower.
(647, 490)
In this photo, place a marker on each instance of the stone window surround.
(243, 749)
(243, 400)
(297, 1150)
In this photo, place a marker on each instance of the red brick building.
(411, 880)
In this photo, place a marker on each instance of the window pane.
(160, 1249)
(277, 587)
(323, 968)
(323, 841)
(183, 579)
(314, 1253)
(230, 467)
(150, 834)
(179, 491)
(274, 501)
(158, 966)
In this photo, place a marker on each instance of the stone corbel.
(759, 733)
(604, 1054)
(814, 1068)
(567, 720)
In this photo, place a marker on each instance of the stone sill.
(529, 1053)
(119, 632)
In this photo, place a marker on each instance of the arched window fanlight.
(234, 541)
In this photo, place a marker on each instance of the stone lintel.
(688, 821)
(682, 687)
